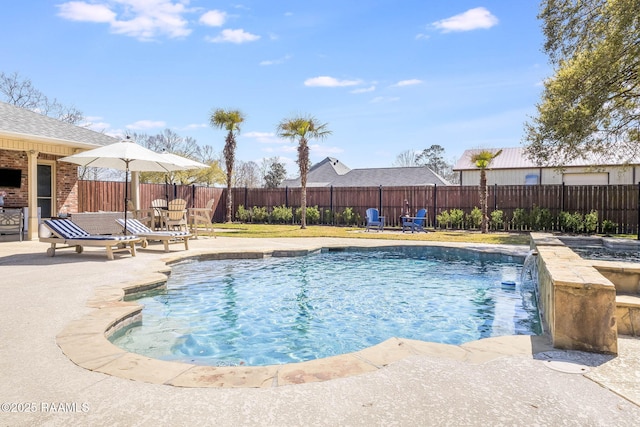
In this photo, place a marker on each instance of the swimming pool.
(284, 310)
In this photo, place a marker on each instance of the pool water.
(284, 310)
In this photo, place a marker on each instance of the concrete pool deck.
(507, 380)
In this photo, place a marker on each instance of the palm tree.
(482, 159)
(303, 129)
(229, 120)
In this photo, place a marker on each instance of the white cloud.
(194, 126)
(364, 89)
(326, 81)
(472, 19)
(276, 61)
(213, 18)
(264, 137)
(233, 36)
(81, 11)
(422, 36)
(143, 19)
(146, 124)
(409, 82)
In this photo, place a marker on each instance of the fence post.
(380, 200)
(562, 198)
(435, 203)
(193, 195)
(331, 205)
(495, 196)
(638, 224)
(245, 196)
(286, 196)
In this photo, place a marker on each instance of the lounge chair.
(202, 216)
(64, 231)
(374, 220)
(415, 223)
(166, 237)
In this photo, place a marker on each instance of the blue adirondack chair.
(374, 219)
(415, 223)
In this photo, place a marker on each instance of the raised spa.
(283, 310)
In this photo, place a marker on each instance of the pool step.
(628, 314)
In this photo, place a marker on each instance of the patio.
(497, 380)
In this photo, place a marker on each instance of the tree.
(229, 120)
(406, 159)
(590, 108)
(482, 159)
(274, 172)
(183, 146)
(303, 129)
(247, 174)
(21, 93)
(433, 158)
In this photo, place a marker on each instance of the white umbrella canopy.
(124, 155)
(185, 162)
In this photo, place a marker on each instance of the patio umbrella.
(185, 162)
(124, 155)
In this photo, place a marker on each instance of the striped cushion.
(136, 227)
(69, 230)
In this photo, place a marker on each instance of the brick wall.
(66, 181)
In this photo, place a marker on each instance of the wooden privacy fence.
(616, 203)
(94, 196)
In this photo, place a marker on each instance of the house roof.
(332, 172)
(20, 123)
(514, 158)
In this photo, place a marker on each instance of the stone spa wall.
(577, 303)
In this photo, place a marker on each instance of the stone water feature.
(585, 303)
(577, 303)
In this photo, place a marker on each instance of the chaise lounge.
(64, 231)
(139, 229)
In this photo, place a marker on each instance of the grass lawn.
(273, 230)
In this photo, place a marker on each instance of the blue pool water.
(283, 310)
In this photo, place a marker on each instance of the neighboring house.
(30, 145)
(512, 167)
(331, 172)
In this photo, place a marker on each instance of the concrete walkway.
(504, 381)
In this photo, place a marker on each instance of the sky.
(386, 76)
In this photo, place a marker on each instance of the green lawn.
(271, 231)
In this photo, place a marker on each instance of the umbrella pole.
(126, 195)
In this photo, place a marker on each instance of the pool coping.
(85, 341)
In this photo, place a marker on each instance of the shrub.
(349, 216)
(591, 222)
(573, 223)
(474, 218)
(260, 214)
(313, 214)
(496, 220)
(520, 219)
(540, 219)
(609, 226)
(328, 217)
(443, 219)
(243, 215)
(457, 217)
(281, 215)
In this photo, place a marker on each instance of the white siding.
(601, 178)
(615, 175)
